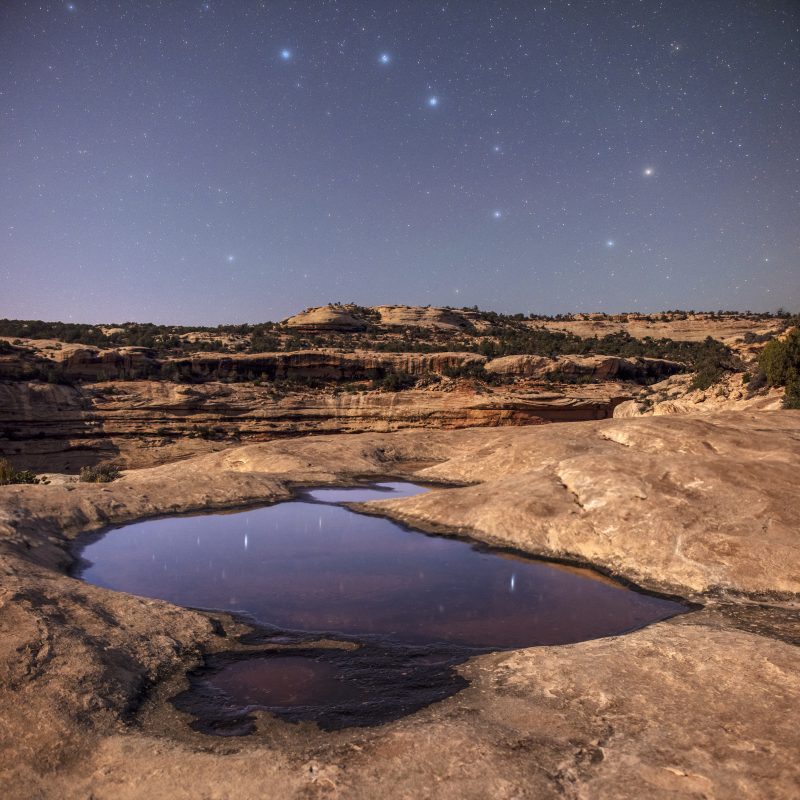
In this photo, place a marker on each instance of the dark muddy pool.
(312, 567)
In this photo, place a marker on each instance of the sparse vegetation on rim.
(168, 349)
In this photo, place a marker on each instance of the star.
(433, 101)
(497, 149)
(497, 214)
(71, 7)
(286, 54)
(230, 259)
(384, 58)
(610, 242)
(648, 172)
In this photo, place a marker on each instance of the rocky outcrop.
(71, 362)
(425, 317)
(348, 319)
(600, 368)
(327, 318)
(79, 362)
(676, 396)
(692, 707)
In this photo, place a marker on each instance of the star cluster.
(228, 162)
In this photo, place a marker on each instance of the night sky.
(237, 161)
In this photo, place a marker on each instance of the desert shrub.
(780, 361)
(394, 382)
(101, 473)
(475, 372)
(711, 361)
(9, 475)
(756, 338)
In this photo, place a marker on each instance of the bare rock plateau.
(704, 705)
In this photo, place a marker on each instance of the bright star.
(648, 171)
(384, 58)
(70, 6)
(286, 54)
(497, 214)
(433, 101)
(231, 259)
(497, 148)
(610, 243)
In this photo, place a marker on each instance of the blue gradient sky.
(217, 162)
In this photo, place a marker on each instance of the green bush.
(780, 361)
(394, 382)
(101, 473)
(711, 361)
(9, 475)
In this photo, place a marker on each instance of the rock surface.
(699, 706)
(423, 317)
(52, 428)
(599, 368)
(676, 396)
(326, 365)
(327, 318)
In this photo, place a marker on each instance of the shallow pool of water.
(312, 567)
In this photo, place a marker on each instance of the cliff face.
(324, 365)
(60, 428)
(76, 362)
(327, 365)
(601, 368)
(79, 362)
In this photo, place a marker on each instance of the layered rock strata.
(51, 428)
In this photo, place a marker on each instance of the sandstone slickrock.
(423, 317)
(327, 318)
(699, 706)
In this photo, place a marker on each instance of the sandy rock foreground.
(702, 706)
